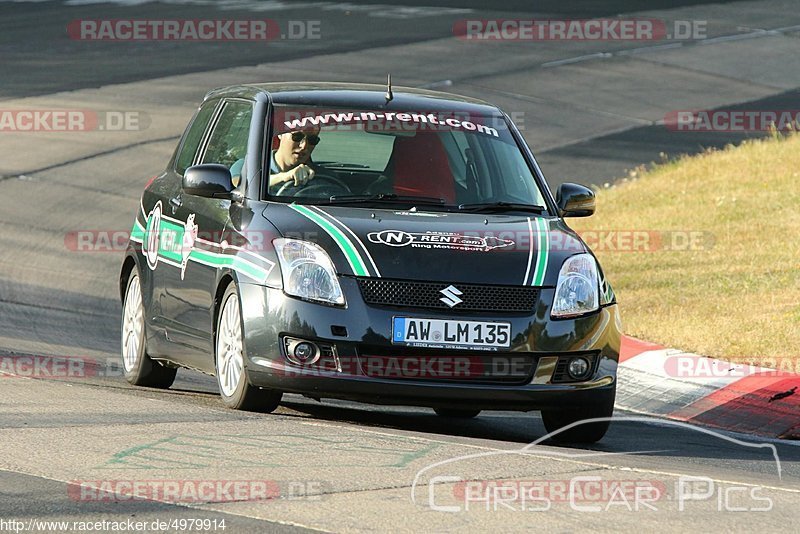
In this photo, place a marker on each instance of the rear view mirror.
(575, 200)
(209, 180)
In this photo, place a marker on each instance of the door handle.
(175, 203)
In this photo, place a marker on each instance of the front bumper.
(359, 331)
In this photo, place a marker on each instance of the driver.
(291, 161)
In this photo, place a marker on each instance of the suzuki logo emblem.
(451, 296)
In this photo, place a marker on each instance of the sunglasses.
(312, 139)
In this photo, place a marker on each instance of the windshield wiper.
(337, 165)
(501, 206)
(385, 197)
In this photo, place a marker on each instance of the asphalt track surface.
(590, 109)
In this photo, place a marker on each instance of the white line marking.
(365, 249)
(530, 252)
(577, 59)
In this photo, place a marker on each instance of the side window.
(517, 179)
(193, 137)
(228, 142)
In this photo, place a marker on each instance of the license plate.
(447, 332)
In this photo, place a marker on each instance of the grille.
(412, 294)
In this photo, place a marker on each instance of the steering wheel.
(329, 187)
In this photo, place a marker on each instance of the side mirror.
(209, 180)
(575, 200)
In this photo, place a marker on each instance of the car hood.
(434, 246)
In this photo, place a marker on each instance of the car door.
(161, 210)
(189, 301)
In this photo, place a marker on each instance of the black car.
(377, 244)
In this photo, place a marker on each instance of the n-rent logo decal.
(446, 240)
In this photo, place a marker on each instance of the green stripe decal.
(542, 252)
(137, 233)
(353, 257)
(609, 294)
(171, 251)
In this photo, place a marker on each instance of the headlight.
(308, 271)
(577, 288)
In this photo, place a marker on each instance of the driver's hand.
(300, 174)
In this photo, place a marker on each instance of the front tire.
(140, 369)
(234, 386)
(555, 420)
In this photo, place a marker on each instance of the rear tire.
(456, 413)
(232, 378)
(584, 433)
(140, 369)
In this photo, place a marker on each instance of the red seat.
(420, 168)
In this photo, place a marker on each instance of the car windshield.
(350, 156)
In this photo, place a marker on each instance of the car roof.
(357, 95)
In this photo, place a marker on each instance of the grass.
(734, 295)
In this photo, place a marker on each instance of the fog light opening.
(304, 351)
(578, 368)
(301, 352)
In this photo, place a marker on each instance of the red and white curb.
(687, 387)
